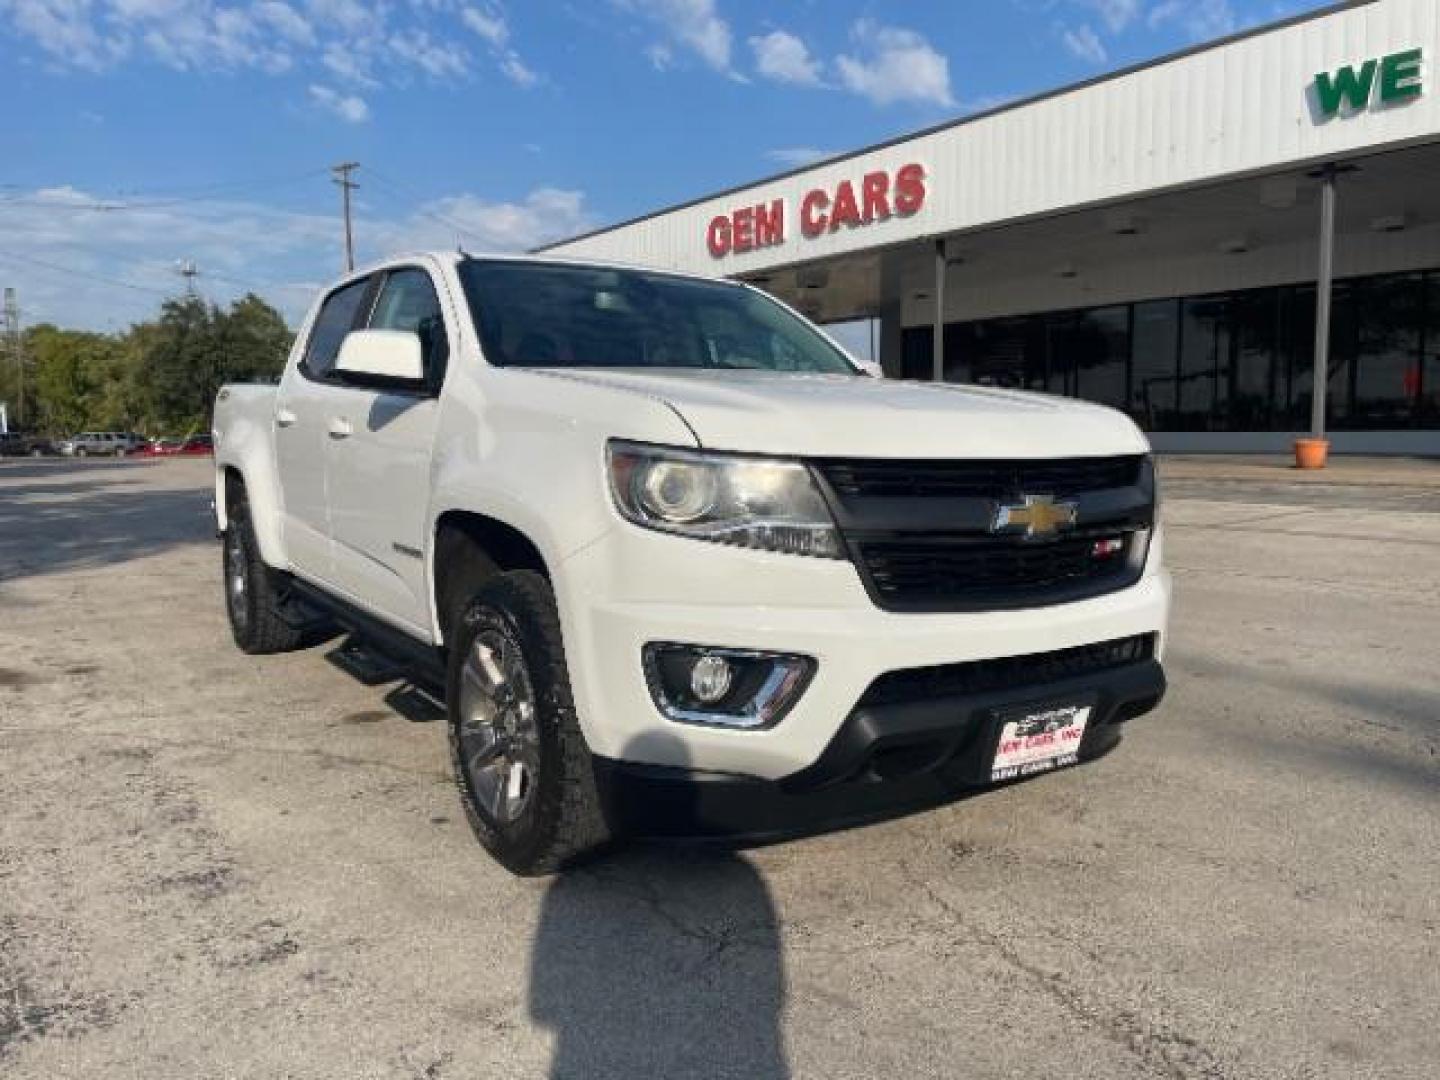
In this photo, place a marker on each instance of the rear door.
(308, 399)
(378, 469)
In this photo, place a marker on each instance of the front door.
(306, 401)
(378, 455)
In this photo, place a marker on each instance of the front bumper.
(634, 587)
(884, 760)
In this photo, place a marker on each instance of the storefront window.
(1060, 352)
(1254, 381)
(1008, 353)
(917, 343)
(1229, 362)
(1386, 362)
(1298, 343)
(1426, 382)
(1204, 348)
(1101, 340)
(1152, 385)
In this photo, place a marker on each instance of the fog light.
(710, 678)
(737, 688)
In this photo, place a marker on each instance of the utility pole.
(17, 350)
(342, 177)
(187, 269)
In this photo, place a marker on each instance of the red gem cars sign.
(877, 197)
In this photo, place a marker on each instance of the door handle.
(340, 428)
(284, 417)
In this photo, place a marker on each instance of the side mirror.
(387, 355)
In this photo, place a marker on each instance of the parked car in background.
(162, 447)
(21, 444)
(190, 446)
(102, 443)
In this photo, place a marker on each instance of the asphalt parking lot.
(219, 866)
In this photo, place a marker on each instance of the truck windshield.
(533, 314)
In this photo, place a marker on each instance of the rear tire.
(524, 771)
(252, 590)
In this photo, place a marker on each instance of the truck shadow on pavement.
(661, 960)
(62, 524)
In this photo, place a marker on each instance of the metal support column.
(938, 374)
(1323, 281)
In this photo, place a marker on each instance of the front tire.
(252, 590)
(521, 763)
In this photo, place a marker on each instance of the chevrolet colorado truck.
(675, 563)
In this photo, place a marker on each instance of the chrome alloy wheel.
(499, 740)
(237, 577)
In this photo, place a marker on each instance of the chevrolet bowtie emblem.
(1035, 515)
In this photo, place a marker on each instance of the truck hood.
(845, 416)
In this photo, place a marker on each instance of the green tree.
(159, 377)
(195, 347)
(71, 369)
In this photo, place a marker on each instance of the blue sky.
(143, 132)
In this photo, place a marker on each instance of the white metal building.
(1149, 239)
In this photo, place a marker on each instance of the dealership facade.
(1150, 240)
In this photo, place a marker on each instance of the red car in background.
(197, 446)
(192, 446)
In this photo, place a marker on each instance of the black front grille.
(997, 479)
(936, 571)
(925, 537)
(1006, 672)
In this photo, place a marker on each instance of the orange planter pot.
(1311, 453)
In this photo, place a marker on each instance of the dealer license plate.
(1039, 739)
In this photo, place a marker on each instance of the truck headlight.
(765, 503)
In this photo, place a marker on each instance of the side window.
(336, 319)
(408, 301)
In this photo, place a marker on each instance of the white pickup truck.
(675, 563)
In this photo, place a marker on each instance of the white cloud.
(694, 24)
(350, 65)
(285, 21)
(347, 107)
(783, 57)
(439, 60)
(478, 224)
(285, 256)
(67, 32)
(515, 69)
(660, 55)
(1201, 20)
(490, 26)
(1115, 14)
(894, 64)
(347, 15)
(1084, 44)
(369, 44)
(795, 156)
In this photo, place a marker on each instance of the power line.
(127, 201)
(10, 256)
(419, 208)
